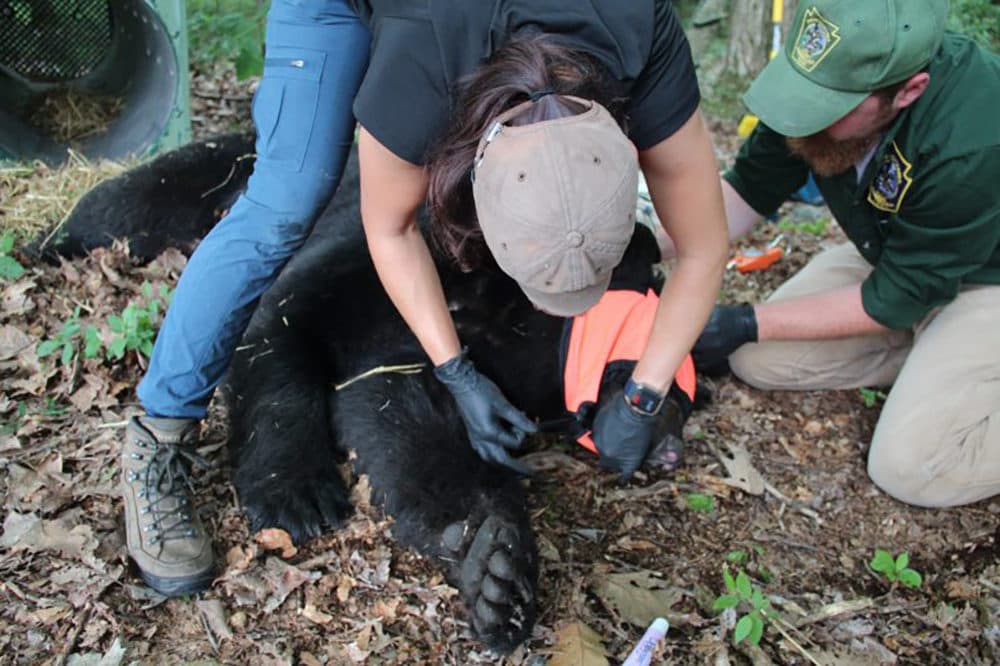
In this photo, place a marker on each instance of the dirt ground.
(804, 526)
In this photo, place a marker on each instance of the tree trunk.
(751, 35)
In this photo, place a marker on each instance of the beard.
(830, 157)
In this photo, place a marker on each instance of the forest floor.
(795, 512)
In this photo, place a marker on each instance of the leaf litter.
(612, 556)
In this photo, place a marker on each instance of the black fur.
(327, 320)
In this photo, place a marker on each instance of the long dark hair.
(524, 65)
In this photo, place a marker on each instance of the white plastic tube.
(642, 654)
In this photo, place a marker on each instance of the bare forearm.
(684, 307)
(416, 292)
(836, 313)
(684, 185)
(740, 218)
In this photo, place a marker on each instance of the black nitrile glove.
(728, 328)
(494, 425)
(622, 436)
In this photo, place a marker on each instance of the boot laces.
(165, 480)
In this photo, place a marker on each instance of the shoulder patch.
(892, 181)
(817, 37)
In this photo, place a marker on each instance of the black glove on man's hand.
(728, 328)
(494, 425)
(622, 436)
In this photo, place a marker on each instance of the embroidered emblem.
(817, 37)
(892, 181)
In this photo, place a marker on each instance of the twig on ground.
(776, 622)
(74, 635)
(839, 609)
(795, 504)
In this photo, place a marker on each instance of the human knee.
(898, 476)
(750, 365)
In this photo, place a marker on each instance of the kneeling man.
(898, 121)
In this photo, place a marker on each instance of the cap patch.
(817, 37)
(892, 181)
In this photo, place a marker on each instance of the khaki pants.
(937, 442)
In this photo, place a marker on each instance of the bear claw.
(497, 577)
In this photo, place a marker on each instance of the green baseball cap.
(837, 53)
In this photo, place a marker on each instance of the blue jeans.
(316, 53)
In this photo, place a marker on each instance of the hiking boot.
(165, 535)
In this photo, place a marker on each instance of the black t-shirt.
(421, 49)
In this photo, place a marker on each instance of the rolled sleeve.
(940, 241)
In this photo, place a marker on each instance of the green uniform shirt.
(926, 211)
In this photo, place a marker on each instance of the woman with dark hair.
(523, 123)
(530, 96)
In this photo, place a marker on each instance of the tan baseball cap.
(556, 203)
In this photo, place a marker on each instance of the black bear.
(309, 382)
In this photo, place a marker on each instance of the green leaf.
(700, 502)
(743, 628)
(757, 629)
(758, 600)
(146, 348)
(117, 348)
(737, 556)
(68, 352)
(743, 585)
(726, 601)
(46, 348)
(6, 242)
(883, 562)
(10, 268)
(116, 323)
(910, 578)
(92, 342)
(249, 62)
(728, 577)
(146, 290)
(902, 561)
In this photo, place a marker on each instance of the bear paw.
(496, 574)
(305, 507)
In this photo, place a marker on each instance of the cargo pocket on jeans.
(285, 105)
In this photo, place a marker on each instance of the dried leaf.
(239, 558)
(215, 616)
(31, 533)
(639, 598)
(113, 657)
(276, 539)
(15, 300)
(12, 341)
(313, 614)
(269, 585)
(578, 645)
(742, 473)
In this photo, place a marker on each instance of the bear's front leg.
(446, 501)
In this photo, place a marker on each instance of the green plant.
(979, 19)
(741, 593)
(228, 30)
(68, 340)
(135, 328)
(12, 424)
(871, 397)
(700, 502)
(895, 569)
(816, 227)
(10, 268)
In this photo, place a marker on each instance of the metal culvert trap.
(107, 78)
